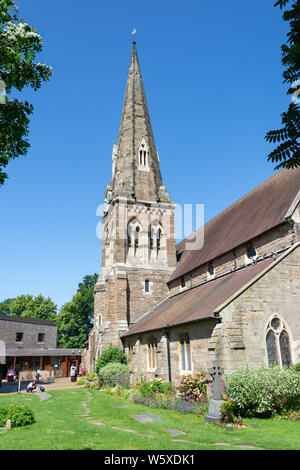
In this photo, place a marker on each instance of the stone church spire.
(136, 172)
(138, 240)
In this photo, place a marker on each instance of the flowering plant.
(152, 386)
(227, 410)
(193, 387)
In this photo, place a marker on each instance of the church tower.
(138, 243)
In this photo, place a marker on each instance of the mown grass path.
(84, 419)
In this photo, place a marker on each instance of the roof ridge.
(261, 209)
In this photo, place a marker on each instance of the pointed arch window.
(147, 285)
(278, 344)
(185, 353)
(143, 155)
(156, 241)
(152, 353)
(133, 235)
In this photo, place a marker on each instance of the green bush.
(109, 355)
(297, 367)
(3, 415)
(114, 374)
(20, 415)
(149, 387)
(264, 392)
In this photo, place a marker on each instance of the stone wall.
(240, 338)
(199, 334)
(9, 329)
(274, 241)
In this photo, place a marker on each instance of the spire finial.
(133, 34)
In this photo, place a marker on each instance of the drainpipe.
(168, 354)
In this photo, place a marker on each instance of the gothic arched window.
(133, 234)
(278, 344)
(143, 154)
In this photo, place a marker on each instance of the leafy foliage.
(111, 354)
(228, 409)
(264, 392)
(287, 154)
(19, 45)
(297, 367)
(4, 307)
(114, 374)
(20, 415)
(75, 319)
(31, 307)
(150, 387)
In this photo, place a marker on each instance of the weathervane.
(133, 33)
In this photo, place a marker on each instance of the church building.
(175, 308)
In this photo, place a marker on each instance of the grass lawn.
(61, 425)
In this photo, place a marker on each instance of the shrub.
(91, 382)
(149, 387)
(114, 374)
(297, 367)
(3, 415)
(109, 355)
(20, 415)
(264, 392)
(228, 410)
(294, 415)
(192, 387)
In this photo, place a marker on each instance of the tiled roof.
(27, 320)
(198, 303)
(38, 352)
(260, 210)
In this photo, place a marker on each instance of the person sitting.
(30, 387)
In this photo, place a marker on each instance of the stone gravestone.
(213, 414)
(8, 424)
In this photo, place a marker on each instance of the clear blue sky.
(213, 80)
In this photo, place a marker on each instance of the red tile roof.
(260, 210)
(198, 303)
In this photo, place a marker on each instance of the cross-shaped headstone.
(216, 372)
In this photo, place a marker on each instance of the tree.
(19, 44)
(287, 153)
(75, 319)
(112, 354)
(4, 307)
(33, 307)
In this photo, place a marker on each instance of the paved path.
(63, 383)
